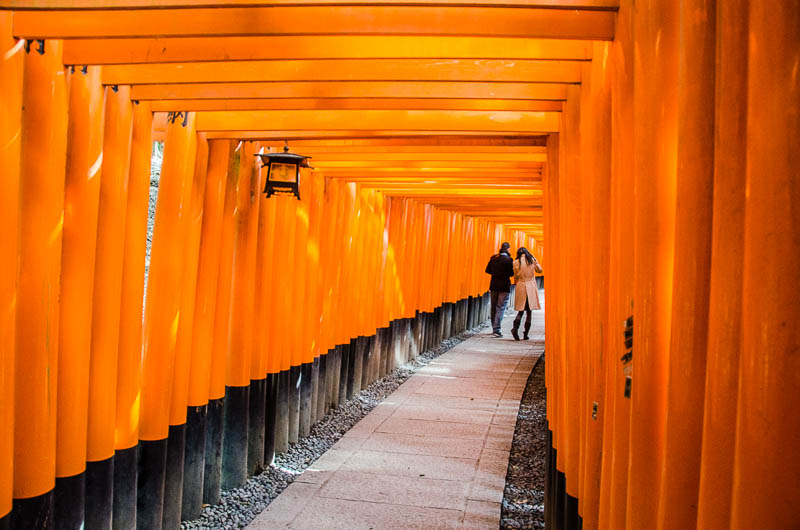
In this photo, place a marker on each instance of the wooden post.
(81, 196)
(766, 464)
(41, 195)
(11, 68)
(126, 437)
(162, 315)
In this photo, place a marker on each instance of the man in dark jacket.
(501, 267)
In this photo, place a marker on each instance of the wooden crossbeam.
(426, 156)
(609, 5)
(351, 89)
(515, 105)
(194, 49)
(379, 120)
(431, 19)
(520, 71)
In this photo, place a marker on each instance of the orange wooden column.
(552, 226)
(41, 194)
(106, 301)
(689, 333)
(727, 248)
(219, 351)
(767, 465)
(11, 68)
(203, 328)
(655, 130)
(571, 222)
(597, 137)
(191, 223)
(162, 314)
(621, 270)
(237, 382)
(126, 435)
(208, 272)
(81, 196)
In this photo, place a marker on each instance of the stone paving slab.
(434, 454)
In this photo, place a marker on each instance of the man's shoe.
(525, 337)
(515, 334)
(497, 334)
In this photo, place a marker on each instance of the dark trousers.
(499, 301)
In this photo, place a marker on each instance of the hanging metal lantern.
(283, 172)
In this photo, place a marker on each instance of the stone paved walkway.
(434, 454)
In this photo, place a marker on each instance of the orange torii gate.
(643, 152)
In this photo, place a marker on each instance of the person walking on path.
(501, 268)
(526, 295)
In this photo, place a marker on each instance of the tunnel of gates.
(660, 137)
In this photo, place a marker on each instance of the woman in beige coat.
(526, 296)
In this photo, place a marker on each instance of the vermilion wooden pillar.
(689, 332)
(107, 297)
(82, 191)
(727, 247)
(11, 68)
(162, 315)
(655, 150)
(621, 273)
(767, 464)
(126, 434)
(41, 193)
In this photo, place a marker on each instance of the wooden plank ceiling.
(449, 102)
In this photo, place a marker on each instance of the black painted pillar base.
(193, 463)
(386, 350)
(359, 362)
(234, 436)
(5, 522)
(282, 413)
(352, 352)
(335, 371)
(270, 410)
(255, 437)
(70, 497)
(33, 512)
(306, 390)
(151, 480)
(315, 380)
(572, 521)
(366, 362)
(126, 471)
(99, 493)
(294, 404)
(322, 389)
(344, 373)
(212, 470)
(173, 484)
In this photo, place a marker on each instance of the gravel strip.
(523, 499)
(241, 505)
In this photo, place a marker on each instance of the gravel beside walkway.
(523, 499)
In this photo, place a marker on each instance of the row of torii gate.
(650, 145)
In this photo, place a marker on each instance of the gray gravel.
(240, 506)
(523, 499)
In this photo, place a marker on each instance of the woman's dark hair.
(522, 251)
